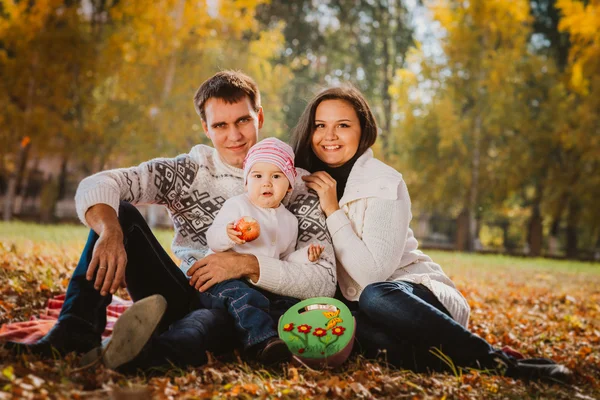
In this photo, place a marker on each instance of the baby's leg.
(248, 307)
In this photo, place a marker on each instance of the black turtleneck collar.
(340, 174)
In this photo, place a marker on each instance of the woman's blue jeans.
(403, 322)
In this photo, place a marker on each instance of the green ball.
(318, 331)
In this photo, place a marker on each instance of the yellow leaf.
(9, 373)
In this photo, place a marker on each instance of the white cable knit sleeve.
(375, 257)
(151, 182)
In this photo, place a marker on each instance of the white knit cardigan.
(373, 241)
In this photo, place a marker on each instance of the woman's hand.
(326, 187)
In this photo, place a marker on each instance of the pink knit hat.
(272, 151)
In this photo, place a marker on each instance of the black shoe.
(529, 370)
(272, 351)
(68, 335)
(131, 333)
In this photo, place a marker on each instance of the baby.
(269, 174)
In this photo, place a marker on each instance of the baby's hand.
(314, 252)
(233, 234)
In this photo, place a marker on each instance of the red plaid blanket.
(34, 329)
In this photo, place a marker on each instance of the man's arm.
(97, 202)
(109, 255)
(152, 182)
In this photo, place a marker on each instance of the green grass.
(455, 263)
(23, 233)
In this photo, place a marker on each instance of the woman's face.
(336, 132)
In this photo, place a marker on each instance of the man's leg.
(83, 316)
(188, 341)
(150, 270)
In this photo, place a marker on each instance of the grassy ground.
(540, 307)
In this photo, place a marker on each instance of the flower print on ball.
(318, 331)
(304, 329)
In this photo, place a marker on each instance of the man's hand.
(109, 256)
(220, 267)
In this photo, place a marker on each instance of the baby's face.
(267, 185)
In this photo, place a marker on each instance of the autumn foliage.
(541, 308)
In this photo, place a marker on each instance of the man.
(121, 248)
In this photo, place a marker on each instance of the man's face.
(232, 128)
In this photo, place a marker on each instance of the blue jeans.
(403, 322)
(248, 306)
(187, 330)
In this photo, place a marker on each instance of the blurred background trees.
(490, 109)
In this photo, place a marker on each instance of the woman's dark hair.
(302, 134)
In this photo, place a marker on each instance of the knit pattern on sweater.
(193, 187)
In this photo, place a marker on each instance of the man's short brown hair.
(229, 86)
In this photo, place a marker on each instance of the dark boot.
(272, 351)
(131, 333)
(68, 335)
(533, 369)
(530, 370)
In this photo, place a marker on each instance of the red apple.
(249, 227)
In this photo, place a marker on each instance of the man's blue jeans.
(403, 322)
(187, 330)
(248, 306)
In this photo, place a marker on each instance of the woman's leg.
(412, 322)
(408, 321)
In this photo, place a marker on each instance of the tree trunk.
(508, 245)
(572, 221)
(62, 178)
(15, 179)
(474, 189)
(462, 230)
(535, 232)
(554, 242)
(48, 200)
(387, 101)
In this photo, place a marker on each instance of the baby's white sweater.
(193, 187)
(278, 231)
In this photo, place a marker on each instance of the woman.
(404, 303)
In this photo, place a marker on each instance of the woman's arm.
(375, 257)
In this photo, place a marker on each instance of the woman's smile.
(332, 148)
(336, 132)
